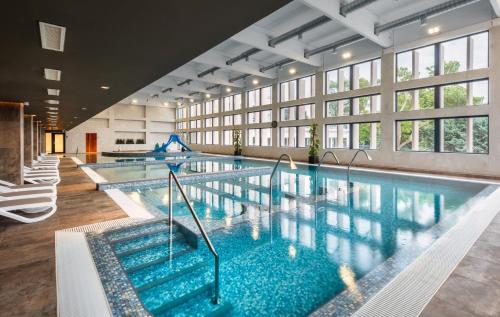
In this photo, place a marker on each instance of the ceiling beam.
(246, 67)
(189, 72)
(293, 49)
(168, 82)
(495, 4)
(360, 21)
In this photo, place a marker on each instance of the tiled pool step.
(135, 231)
(145, 242)
(170, 275)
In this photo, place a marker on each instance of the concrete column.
(373, 136)
(42, 140)
(36, 139)
(355, 136)
(275, 110)
(415, 135)
(318, 108)
(11, 142)
(469, 135)
(415, 65)
(387, 105)
(29, 140)
(340, 83)
(355, 78)
(374, 71)
(355, 106)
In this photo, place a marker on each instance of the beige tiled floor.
(473, 289)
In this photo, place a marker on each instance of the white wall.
(122, 121)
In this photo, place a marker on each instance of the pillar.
(11, 142)
(29, 140)
(36, 139)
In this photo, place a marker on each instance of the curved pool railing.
(292, 166)
(318, 166)
(173, 178)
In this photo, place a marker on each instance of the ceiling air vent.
(52, 36)
(52, 74)
(53, 92)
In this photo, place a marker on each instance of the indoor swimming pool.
(311, 250)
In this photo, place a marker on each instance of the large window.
(353, 106)
(463, 134)
(212, 106)
(355, 76)
(259, 116)
(472, 93)
(416, 135)
(259, 97)
(469, 135)
(363, 135)
(259, 137)
(457, 55)
(234, 119)
(211, 122)
(192, 124)
(298, 88)
(337, 136)
(302, 112)
(295, 136)
(232, 102)
(228, 137)
(181, 113)
(211, 137)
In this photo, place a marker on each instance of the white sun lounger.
(42, 178)
(9, 187)
(8, 209)
(35, 193)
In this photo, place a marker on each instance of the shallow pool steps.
(171, 277)
(136, 231)
(145, 242)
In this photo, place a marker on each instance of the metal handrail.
(319, 165)
(292, 166)
(352, 160)
(171, 175)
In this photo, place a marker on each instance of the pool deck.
(473, 289)
(27, 251)
(27, 268)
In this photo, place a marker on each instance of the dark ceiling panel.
(122, 44)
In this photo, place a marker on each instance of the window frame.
(351, 73)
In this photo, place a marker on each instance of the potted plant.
(129, 141)
(237, 142)
(314, 144)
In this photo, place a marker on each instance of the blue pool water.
(310, 250)
(200, 165)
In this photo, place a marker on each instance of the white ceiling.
(289, 17)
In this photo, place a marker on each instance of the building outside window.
(259, 97)
(353, 106)
(232, 102)
(253, 137)
(228, 137)
(253, 117)
(361, 75)
(302, 112)
(337, 136)
(298, 88)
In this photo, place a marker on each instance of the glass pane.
(266, 95)
(253, 137)
(215, 138)
(332, 82)
(266, 137)
(344, 79)
(479, 43)
(415, 99)
(454, 56)
(306, 87)
(237, 119)
(479, 92)
(337, 136)
(404, 64)
(306, 112)
(237, 102)
(454, 135)
(362, 75)
(267, 116)
(303, 136)
(480, 135)
(338, 108)
(417, 135)
(361, 105)
(424, 62)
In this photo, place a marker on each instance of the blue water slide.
(173, 138)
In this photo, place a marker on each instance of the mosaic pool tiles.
(186, 179)
(120, 294)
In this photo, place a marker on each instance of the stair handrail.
(172, 176)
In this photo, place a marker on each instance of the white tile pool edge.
(411, 290)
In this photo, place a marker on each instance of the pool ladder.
(292, 166)
(171, 179)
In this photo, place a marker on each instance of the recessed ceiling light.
(105, 87)
(52, 74)
(75, 117)
(165, 104)
(433, 30)
(228, 89)
(208, 95)
(191, 100)
(26, 103)
(52, 112)
(53, 92)
(84, 108)
(292, 71)
(134, 101)
(346, 55)
(255, 81)
(178, 103)
(52, 108)
(52, 36)
(52, 101)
